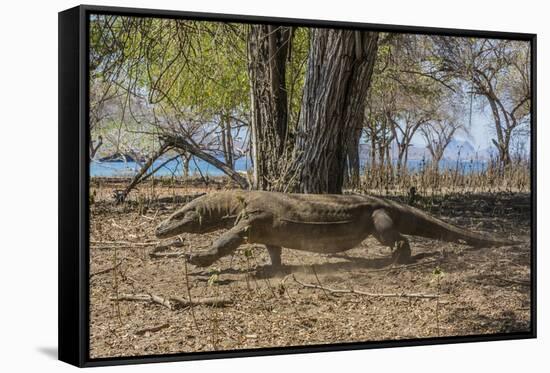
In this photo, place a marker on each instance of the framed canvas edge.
(70, 185)
(73, 285)
(305, 349)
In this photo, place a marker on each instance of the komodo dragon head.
(182, 221)
(204, 214)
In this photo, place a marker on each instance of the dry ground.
(481, 291)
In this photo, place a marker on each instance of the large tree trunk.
(354, 161)
(502, 143)
(373, 140)
(401, 147)
(268, 48)
(337, 79)
(436, 158)
(227, 140)
(186, 158)
(94, 146)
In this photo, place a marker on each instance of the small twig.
(114, 224)
(115, 261)
(172, 254)
(437, 305)
(516, 282)
(105, 270)
(160, 300)
(403, 266)
(165, 246)
(189, 294)
(359, 292)
(144, 297)
(151, 329)
(292, 302)
(319, 282)
(124, 243)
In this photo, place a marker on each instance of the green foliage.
(92, 197)
(437, 272)
(214, 276)
(185, 72)
(296, 72)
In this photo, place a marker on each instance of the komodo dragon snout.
(202, 215)
(182, 221)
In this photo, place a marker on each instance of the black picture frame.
(74, 180)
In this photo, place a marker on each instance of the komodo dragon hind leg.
(224, 245)
(275, 255)
(388, 235)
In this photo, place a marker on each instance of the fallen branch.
(513, 281)
(214, 302)
(178, 198)
(180, 142)
(405, 266)
(165, 246)
(111, 247)
(124, 243)
(105, 270)
(164, 254)
(144, 298)
(178, 301)
(189, 294)
(359, 292)
(151, 329)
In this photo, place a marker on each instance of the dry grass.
(463, 178)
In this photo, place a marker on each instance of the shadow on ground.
(350, 263)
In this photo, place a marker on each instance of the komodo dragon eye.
(179, 215)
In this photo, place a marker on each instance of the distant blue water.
(466, 166)
(128, 169)
(174, 167)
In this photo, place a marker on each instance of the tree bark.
(373, 140)
(94, 147)
(268, 48)
(338, 75)
(186, 157)
(227, 140)
(354, 162)
(503, 141)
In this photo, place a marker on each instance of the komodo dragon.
(321, 223)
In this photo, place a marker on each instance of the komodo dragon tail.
(412, 221)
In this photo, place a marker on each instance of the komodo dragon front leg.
(232, 239)
(224, 245)
(387, 234)
(275, 255)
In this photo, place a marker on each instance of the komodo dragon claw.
(200, 259)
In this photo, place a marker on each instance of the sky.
(481, 129)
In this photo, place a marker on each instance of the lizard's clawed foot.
(200, 259)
